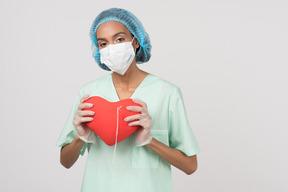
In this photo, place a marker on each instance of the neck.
(131, 78)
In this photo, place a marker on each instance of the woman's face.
(112, 32)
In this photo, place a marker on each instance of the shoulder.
(165, 84)
(93, 84)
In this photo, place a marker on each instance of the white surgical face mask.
(118, 57)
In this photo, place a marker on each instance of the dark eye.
(102, 45)
(120, 39)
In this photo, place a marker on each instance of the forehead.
(110, 28)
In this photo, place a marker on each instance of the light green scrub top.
(135, 169)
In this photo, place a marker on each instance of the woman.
(164, 138)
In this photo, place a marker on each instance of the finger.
(142, 103)
(85, 105)
(135, 108)
(134, 123)
(85, 97)
(86, 113)
(78, 120)
(86, 119)
(132, 117)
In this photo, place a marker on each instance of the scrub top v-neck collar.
(114, 94)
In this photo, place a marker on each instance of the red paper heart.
(104, 123)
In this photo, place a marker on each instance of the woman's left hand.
(143, 134)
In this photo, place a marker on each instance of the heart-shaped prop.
(108, 122)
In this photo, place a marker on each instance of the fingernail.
(90, 104)
(126, 119)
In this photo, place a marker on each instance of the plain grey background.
(228, 57)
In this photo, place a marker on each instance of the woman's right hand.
(79, 120)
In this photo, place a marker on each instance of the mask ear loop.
(132, 39)
(114, 154)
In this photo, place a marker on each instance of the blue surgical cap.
(132, 24)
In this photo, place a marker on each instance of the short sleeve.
(181, 136)
(69, 131)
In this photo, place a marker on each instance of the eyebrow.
(115, 35)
